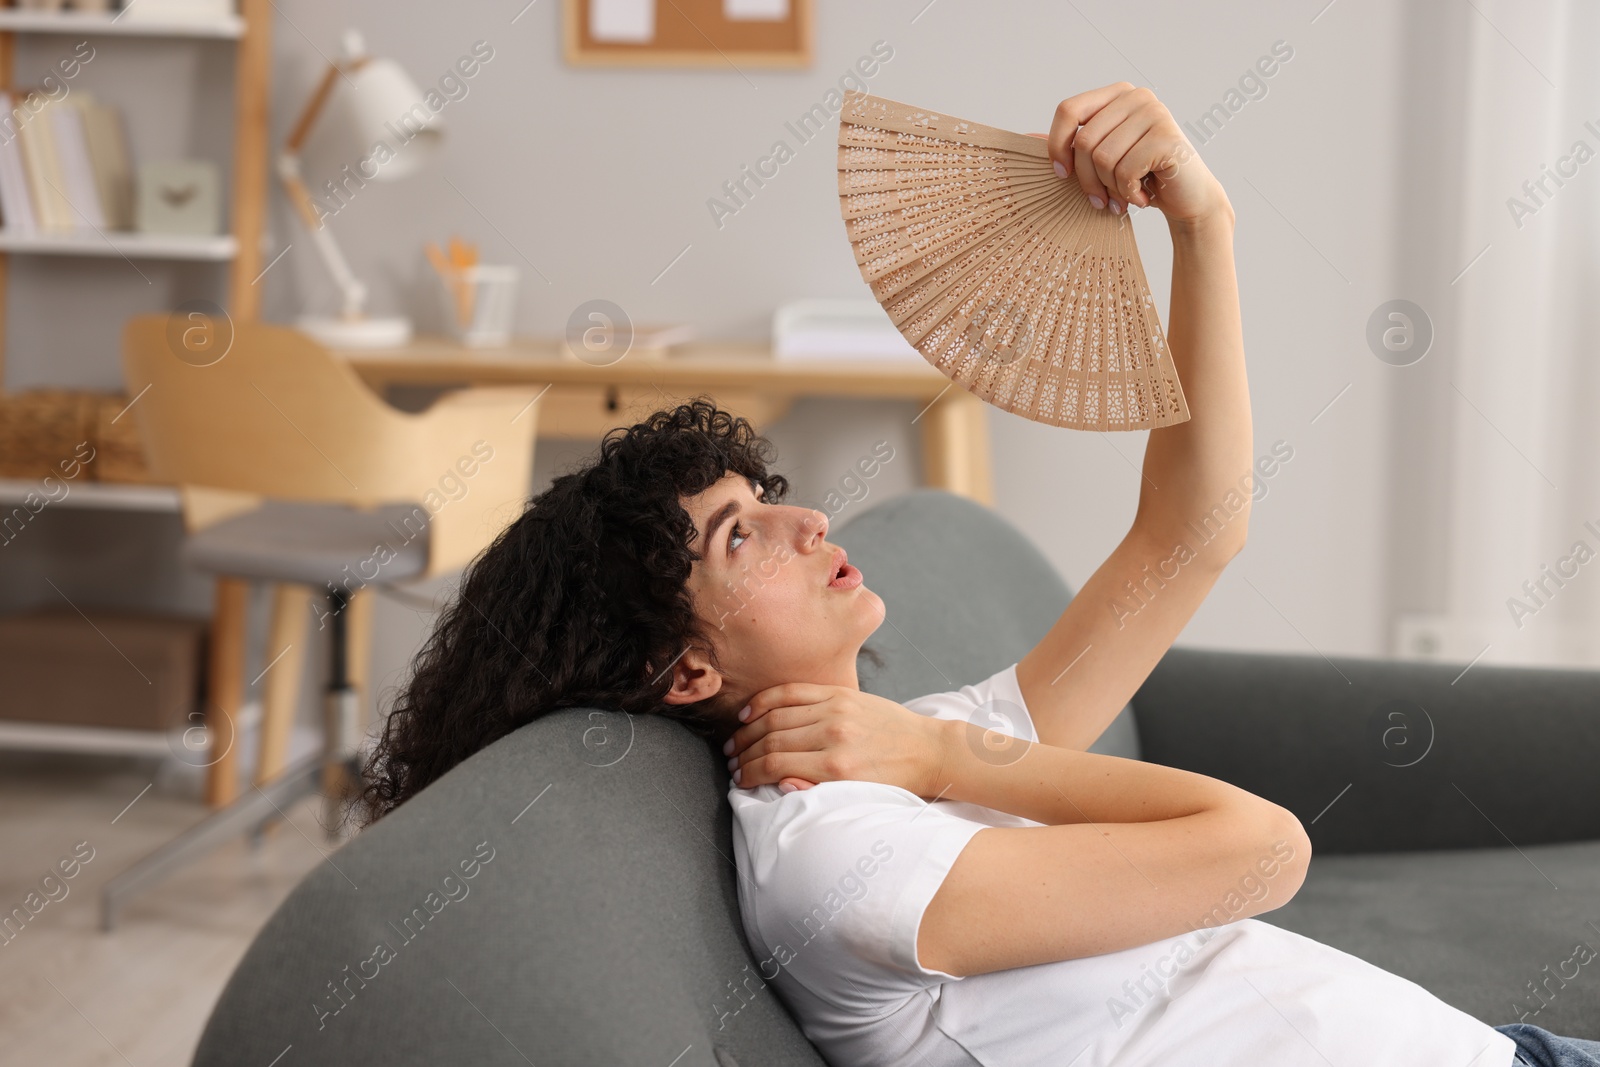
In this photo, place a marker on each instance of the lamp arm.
(313, 110)
(355, 292)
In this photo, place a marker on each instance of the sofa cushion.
(966, 595)
(1478, 928)
(598, 926)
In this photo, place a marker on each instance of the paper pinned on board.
(755, 10)
(622, 21)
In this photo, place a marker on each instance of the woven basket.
(42, 429)
(119, 455)
(52, 431)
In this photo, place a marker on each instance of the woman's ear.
(693, 679)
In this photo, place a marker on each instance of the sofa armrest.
(1377, 755)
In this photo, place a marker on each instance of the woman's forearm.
(1191, 468)
(1059, 785)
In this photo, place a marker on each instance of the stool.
(319, 545)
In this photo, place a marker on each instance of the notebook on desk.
(831, 329)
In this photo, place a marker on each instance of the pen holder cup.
(478, 303)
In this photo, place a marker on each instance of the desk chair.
(294, 473)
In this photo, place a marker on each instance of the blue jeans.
(1537, 1047)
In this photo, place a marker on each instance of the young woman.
(932, 891)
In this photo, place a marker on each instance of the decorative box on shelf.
(60, 672)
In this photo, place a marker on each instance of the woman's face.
(767, 586)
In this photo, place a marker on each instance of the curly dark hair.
(571, 602)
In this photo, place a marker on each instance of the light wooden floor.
(72, 996)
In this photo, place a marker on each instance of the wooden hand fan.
(1000, 272)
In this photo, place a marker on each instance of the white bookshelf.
(71, 737)
(105, 496)
(175, 744)
(247, 35)
(119, 243)
(244, 27)
(229, 27)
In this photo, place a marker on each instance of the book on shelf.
(64, 165)
(16, 208)
(39, 156)
(72, 155)
(108, 155)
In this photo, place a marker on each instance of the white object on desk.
(829, 329)
(481, 316)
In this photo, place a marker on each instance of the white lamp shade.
(382, 103)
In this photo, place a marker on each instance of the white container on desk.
(487, 295)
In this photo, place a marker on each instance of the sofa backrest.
(965, 593)
(567, 895)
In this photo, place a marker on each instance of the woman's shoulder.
(995, 703)
(812, 825)
(822, 802)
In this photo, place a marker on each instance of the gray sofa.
(567, 896)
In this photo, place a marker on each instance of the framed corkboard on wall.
(687, 33)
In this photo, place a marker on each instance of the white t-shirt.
(833, 881)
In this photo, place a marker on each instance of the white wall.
(597, 179)
(600, 178)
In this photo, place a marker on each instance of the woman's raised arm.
(1123, 146)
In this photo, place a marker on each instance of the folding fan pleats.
(1001, 273)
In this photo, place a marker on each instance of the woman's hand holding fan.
(1124, 147)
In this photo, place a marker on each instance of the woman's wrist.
(973, 765)
(994, 769)
(949, 741)
(1217, 222)
(935, 778)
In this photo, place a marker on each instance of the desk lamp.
(377, 106)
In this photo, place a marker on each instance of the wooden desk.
(584, 401)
